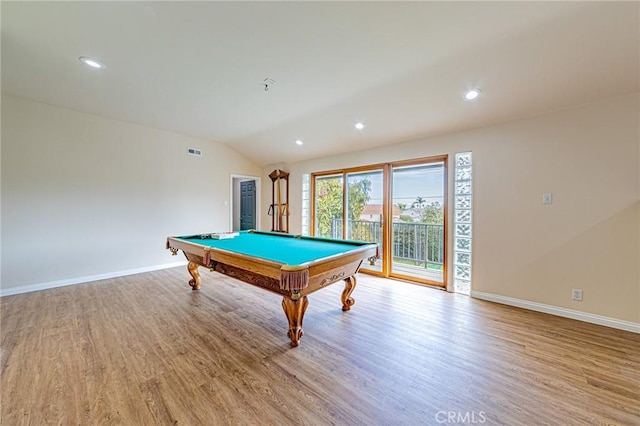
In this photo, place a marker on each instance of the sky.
(409, 183)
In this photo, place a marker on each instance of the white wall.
(84, 195)
(589, 238)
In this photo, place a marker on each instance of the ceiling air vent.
(194, 151)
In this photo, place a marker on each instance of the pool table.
(291, 265)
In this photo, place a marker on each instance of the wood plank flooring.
(146, 350)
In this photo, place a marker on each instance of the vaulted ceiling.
(198, 68)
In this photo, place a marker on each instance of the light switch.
(546, 198)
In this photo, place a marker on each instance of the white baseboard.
(80, 280)
(633, 327)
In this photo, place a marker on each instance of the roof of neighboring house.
(377, 209)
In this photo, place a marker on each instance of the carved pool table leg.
(349, 286)
(193, 270)
(294, 310)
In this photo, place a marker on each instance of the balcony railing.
(418, 243)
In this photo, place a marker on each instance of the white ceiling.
(197, 68)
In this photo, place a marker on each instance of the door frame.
(232, 204)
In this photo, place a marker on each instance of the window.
(462, 223)
(305, 203)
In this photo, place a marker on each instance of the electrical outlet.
(576, 294)
(547, 198)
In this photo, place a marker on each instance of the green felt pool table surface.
(287, 249)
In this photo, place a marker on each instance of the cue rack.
(279, 209)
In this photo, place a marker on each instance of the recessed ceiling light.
(359, 125)
(93, 63)
(472, 94)
(298, 142)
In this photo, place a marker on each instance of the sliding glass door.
(418, 231)
(401, 206)
(365, 211)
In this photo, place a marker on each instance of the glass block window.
(462, 226)
(305, 203)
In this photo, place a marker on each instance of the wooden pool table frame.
(268, 274)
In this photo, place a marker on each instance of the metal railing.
(418, 243)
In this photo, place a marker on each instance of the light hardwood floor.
(146, 350)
